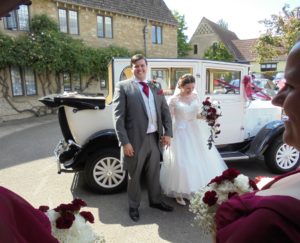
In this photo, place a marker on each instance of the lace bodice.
(184, 108)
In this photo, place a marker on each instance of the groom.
(143, 125)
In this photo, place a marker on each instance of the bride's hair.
(185, 79)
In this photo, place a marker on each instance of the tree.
(223, 24)
(50, 53)
(281, 33)
(183, 47)
(6, 59)
(218, 51)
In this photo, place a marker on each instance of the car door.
(222, 82)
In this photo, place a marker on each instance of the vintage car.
(250, 128)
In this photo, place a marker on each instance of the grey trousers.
(149, 166)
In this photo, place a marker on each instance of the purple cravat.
(145, 88)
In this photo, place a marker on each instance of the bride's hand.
(200, 116)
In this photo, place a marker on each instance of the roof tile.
(155, 10)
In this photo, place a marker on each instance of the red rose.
(210, 198)
(230, 174)
(67, 207)
(44, 208)
(160, 92)
(231, 194)
(80, 202)
(88, 216)
(253, 184)
(217, 179)
(212, 110)
(65, 221)
(206, 102)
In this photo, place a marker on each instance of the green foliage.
(281, 33)
(42, 23)
(46, 50)
(218, 51)
(100, 58)
(183, 47)
(6, 51)
(223, 24)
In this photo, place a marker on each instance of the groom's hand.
(128, 150)
(166, 141)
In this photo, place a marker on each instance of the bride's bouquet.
(205, 203)
(69, 225)
(211, 111)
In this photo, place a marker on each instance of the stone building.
(147, 25)
(207, 33)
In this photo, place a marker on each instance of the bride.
(188, 163)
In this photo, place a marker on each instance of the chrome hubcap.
(108, 172)
(286, 156)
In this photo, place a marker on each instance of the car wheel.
(104, 173)
(281, 158)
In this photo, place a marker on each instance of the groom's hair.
(186, 79)
(136, 58)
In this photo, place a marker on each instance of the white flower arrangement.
(68, 225)
(205, 203)
(79, 232)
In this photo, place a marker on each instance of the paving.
(27, 167)
(12, 126)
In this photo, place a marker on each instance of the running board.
(233, 156)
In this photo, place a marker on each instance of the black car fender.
(264, 138)
(102, 139)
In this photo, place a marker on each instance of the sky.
(242, 16)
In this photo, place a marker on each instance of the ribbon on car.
(251, 89)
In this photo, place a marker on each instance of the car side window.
(220, 81)
(168, 77)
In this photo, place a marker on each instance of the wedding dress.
(188, 163)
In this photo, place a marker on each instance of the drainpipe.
(145, 31)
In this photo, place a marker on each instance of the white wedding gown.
(188, 163)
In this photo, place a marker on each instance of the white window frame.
(68, 21)
(157, 34)
(17, 20)
(104, 26)
(23, 81)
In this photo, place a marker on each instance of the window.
(23, 81)
(30, 84)
(17, 19)
(71, 82)
(104, 27)
(126, 73)
(168, 77)
(222, 81)
(162, 76)
(156, 34)
(76, 82)
(195, 49)
(68, 21)
(268, 67)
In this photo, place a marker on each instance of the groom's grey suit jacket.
(131, 120)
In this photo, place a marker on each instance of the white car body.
(249, 127)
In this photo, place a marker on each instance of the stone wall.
(203, 37)
(127, 33)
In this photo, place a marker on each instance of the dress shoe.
(161, 206)
(180, 201)
(134, 214)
